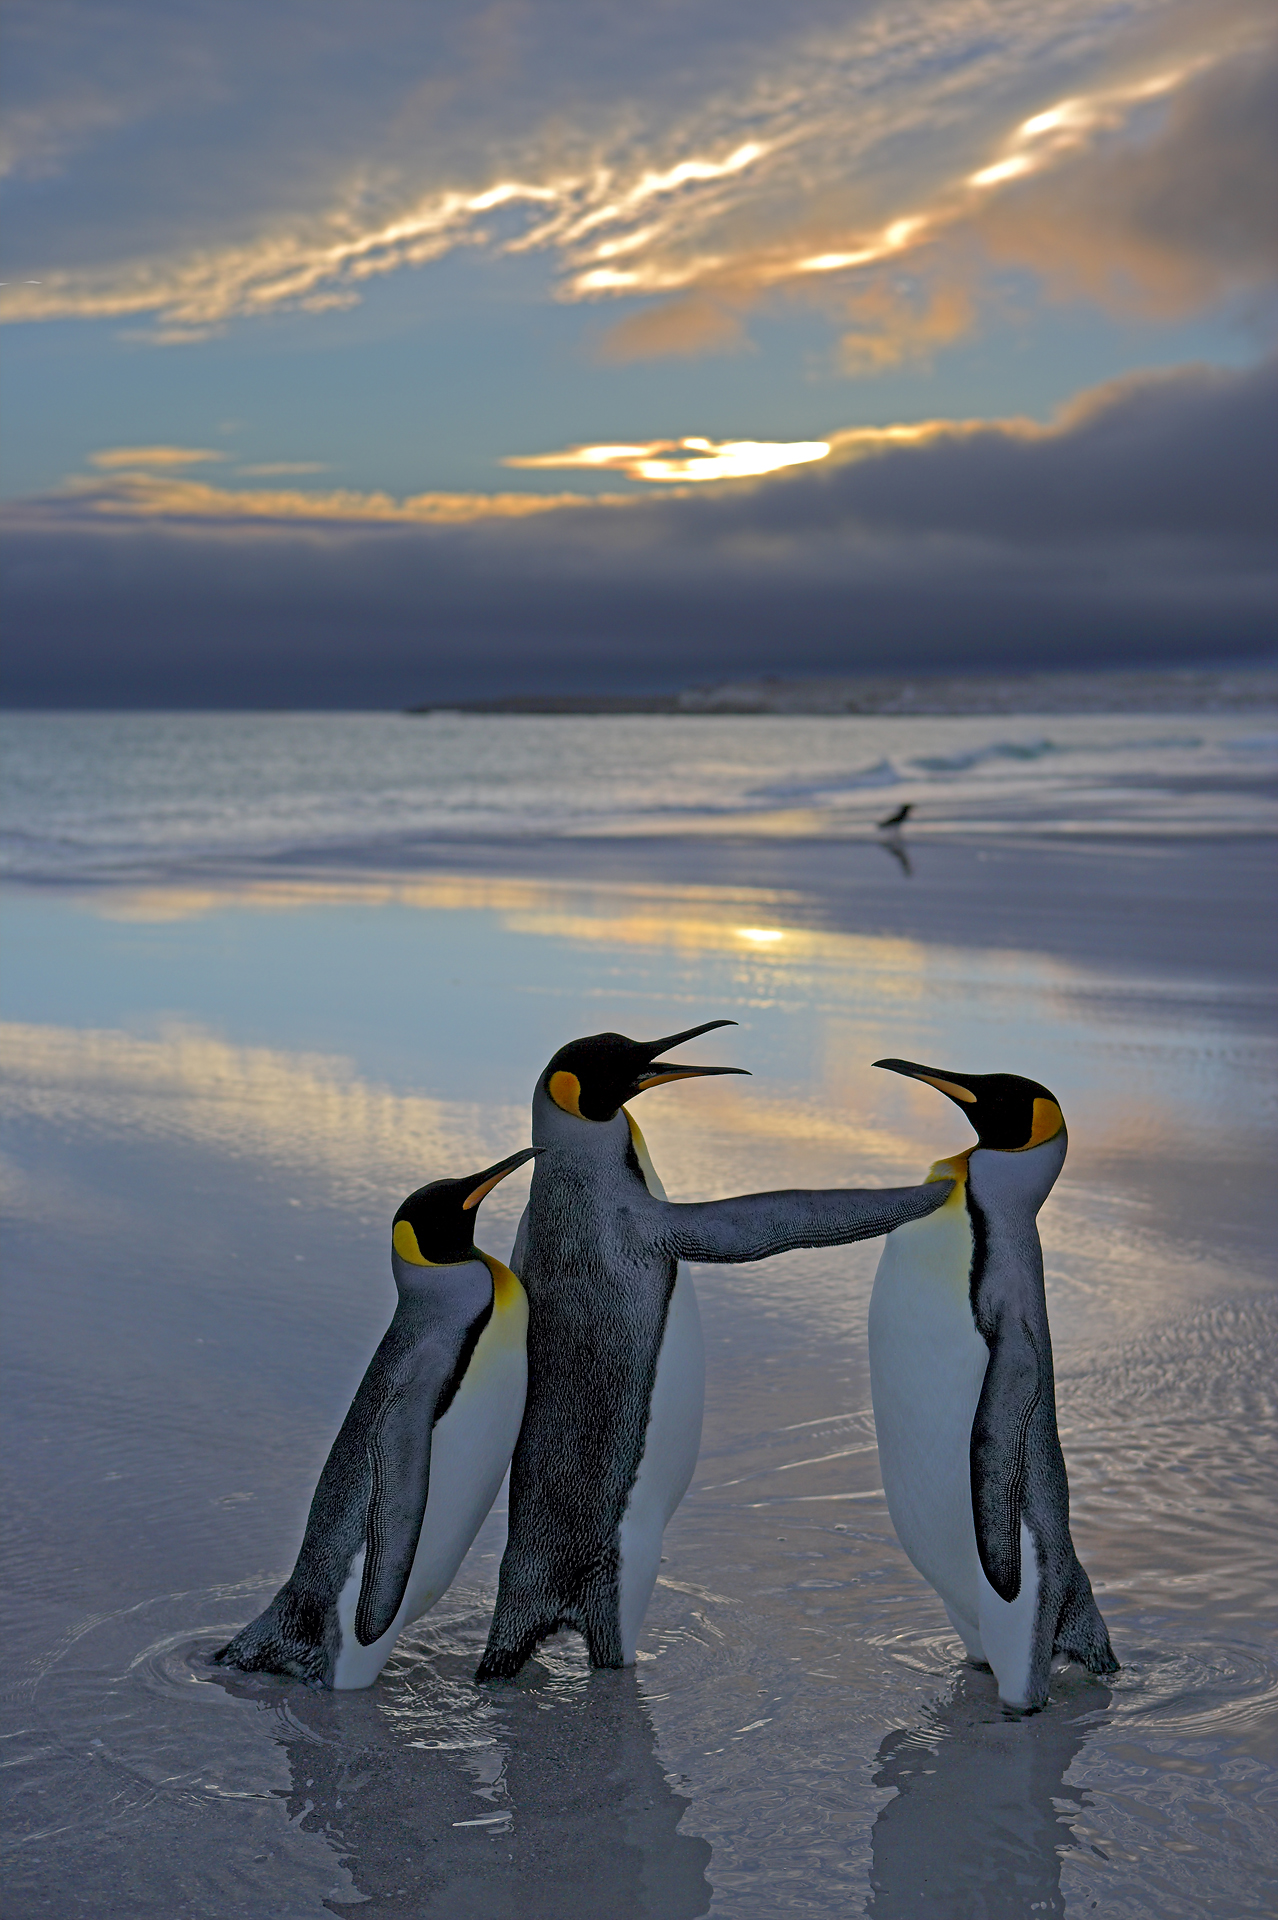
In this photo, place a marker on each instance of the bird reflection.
(975, 1827)
(893, 844)
(559, 1808)
(891, 829)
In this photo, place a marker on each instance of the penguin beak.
(947, 1083)
(656, 1076)
(493, 1176)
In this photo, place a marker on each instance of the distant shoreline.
(1187, 690)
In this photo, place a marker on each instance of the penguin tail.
(1081, 1633)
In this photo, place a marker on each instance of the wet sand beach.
(222, 1075)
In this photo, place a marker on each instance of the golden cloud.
(692, 459)
(720, 213)
(269, 469)
(147, 483)
(684, 327)
(144, 457)
(1159, 225)
(144, 495)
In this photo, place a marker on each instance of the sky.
(373, 354)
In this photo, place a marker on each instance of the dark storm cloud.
(1140, 528)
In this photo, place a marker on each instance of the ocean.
(266, 973)
(92, 795)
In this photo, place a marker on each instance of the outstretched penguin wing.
(754, 1225)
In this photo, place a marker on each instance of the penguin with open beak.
(616, 1367)
(420, 1455)
(965, 1400)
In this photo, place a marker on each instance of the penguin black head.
(435, 1227)
(1009, 1114)
(593, 1078)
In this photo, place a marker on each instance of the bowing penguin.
(420, 1455)
(616, 1367)
(964, 1395)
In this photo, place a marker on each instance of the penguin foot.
(503, 1663)
(281, 1640)
(1081, 1634)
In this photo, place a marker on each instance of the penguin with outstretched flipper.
(616, 1368)
(965, 1400)
(420, 1455)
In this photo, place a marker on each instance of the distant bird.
(420, 1455)
(897, 819)
(964, 1398)
(616, 1365)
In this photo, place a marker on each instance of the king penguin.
(420, 1455)
(616, 1366)
(965, 1400)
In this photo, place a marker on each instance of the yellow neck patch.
(507, 1291)
(955, 1169)
(565, 1090)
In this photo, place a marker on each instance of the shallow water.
(94, 794)
(217, 1091)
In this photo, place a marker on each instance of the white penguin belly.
(671, 1445)
(1007, 1627)
(927, 1367)
(470, 1452)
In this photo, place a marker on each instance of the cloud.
(1136, 528)
(690, 460)
(271, 469)
(138, 493)
(145, 458)
(674, 329)
(1167, 216)
(778, 151)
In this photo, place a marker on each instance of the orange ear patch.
(565, 1090)
(1047, 1123)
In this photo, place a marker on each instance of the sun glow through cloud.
(692, 459)
(147, 483)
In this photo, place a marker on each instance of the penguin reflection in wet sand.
(420, 1455)
(965, 1400)
(616, 1369)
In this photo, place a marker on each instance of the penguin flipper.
(399, 1467)
(1000, 1449)
(754, 1225)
